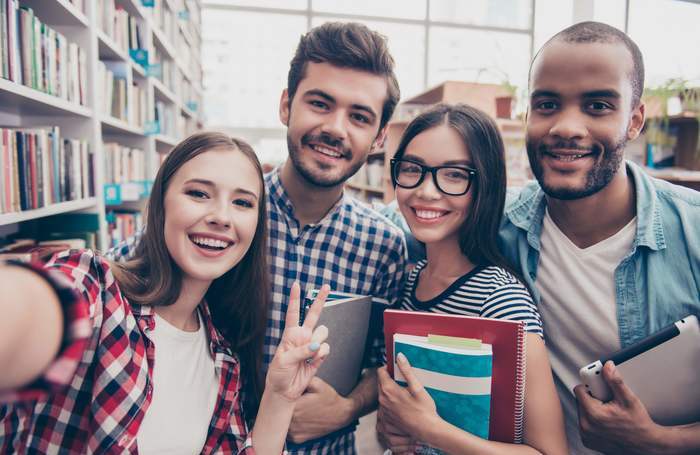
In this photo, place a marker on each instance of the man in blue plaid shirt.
(341, 92)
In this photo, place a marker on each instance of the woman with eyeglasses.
(450, 178)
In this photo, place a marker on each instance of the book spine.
(519, 414)
(7, 170)
(16, 205)
(33, 186)
(3, 40)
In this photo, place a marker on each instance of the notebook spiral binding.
(520, 388)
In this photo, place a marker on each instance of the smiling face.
(211, 213)
(580, 117)
(333, 122)
(433, 216)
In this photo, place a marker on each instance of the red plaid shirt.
(94, 395)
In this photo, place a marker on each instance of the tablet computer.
(661, 369)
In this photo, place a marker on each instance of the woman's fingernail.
(401, 358)
(314, 346)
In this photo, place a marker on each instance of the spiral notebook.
(507, 339)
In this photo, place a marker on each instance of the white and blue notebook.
(456, 372)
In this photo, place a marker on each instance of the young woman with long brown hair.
(450, 177)
(160, 354)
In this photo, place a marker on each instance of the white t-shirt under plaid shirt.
(354, 249)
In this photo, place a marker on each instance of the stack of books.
(36, 55)
(41, 168)
(474, 368)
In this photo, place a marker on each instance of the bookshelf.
(132, 83)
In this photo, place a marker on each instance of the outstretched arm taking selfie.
(623, 425)
(298, 357)
(31, 326)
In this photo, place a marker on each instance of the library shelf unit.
(372, 183)
(152, 48)
(669, 146)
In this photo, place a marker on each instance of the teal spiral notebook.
(456, 372)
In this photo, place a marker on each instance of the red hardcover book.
(508, 375)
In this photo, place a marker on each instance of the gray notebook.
(347, 318)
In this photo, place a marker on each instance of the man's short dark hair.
(597, 32)
(346, 45)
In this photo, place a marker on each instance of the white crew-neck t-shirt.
(578, 309)
(185, 388)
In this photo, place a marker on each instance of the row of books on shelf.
(31, 250)
(123, 225)
(165, 118)
(120, 99)
(123, 164)
(164, 18)
(40, 168)
(125, 30)
(39, 239)
(36, 55)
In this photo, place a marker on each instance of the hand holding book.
(410, 408)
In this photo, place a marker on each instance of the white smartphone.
(660, 369)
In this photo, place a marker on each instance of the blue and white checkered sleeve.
(126, 249)
(388, 288)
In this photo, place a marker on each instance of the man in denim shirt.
(611, 253)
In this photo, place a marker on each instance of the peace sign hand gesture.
(301, 350)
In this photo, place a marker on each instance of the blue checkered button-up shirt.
(353, 248)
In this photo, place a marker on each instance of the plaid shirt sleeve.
(125, 250)
(76, 333)
(387, 292)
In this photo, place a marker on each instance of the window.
(494, 13)
(407, 46)
(280, 4)
(246, 57)
(666, 32)
(478, 56)
(405, 9)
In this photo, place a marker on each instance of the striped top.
(489, 292)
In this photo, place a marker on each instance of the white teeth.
(428, 214)
(326, 151)
(215, 243)
(566, 157)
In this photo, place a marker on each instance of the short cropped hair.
(597, 32)
(346, 45)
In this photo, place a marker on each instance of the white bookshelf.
(22, 106)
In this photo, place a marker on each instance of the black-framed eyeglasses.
(450, 180)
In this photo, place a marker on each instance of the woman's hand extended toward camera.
(301, 350)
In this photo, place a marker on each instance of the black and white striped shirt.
(489, 292)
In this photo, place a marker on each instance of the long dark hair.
(238, 300)
(478, 235)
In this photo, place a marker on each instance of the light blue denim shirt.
(658, 282)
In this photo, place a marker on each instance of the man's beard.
(320, 178)
(607, 162)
